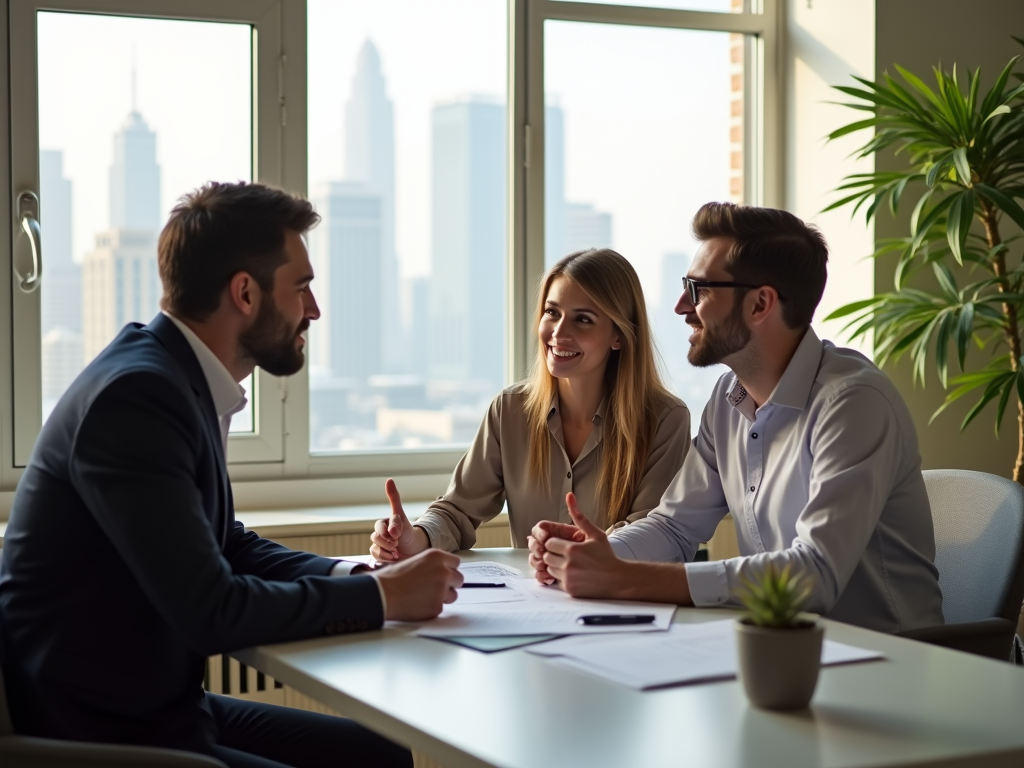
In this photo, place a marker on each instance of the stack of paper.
(687, 653)
(526, 607)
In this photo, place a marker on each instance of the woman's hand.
(543, 532)
(585, 564)
(396, 538)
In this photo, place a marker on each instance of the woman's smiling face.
(577, 336)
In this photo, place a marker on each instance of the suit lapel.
(177, 345)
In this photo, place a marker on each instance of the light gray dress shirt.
(825, 477)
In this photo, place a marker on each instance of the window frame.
(278, 456)
(278, 158)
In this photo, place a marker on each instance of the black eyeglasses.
(693, 287)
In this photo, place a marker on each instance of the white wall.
(828, 42)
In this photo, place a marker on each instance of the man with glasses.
(808, 445)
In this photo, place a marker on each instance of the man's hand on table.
(579, 556)
(396, 538)
(417, 589)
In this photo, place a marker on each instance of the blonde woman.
(593, 418)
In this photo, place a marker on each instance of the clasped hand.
(578, 556)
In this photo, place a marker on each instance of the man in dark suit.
(124, 567)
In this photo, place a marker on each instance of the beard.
(715, 344)
(270, 341)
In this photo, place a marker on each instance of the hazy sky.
(199, 106)
(646, 110)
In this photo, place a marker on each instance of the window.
(407, 168)
(453, 148)
(636, 140)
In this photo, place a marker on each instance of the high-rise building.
(61, 290)
(345, 251)
(554, 185)
(586, 227)
(120, 281)
(62, 362)
(120, 284)
(135, 177)
(370, 160)
(467, 306)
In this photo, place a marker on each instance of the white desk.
(923, 706)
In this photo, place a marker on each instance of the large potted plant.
(963, 172)
(778, 647)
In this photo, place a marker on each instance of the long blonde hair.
(633, 386)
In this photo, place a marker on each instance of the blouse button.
(751, 489)
(568, 474)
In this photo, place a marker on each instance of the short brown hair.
(770, 247)
(220, 230)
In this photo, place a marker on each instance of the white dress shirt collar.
(228, 395)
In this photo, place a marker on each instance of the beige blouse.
(495, 470)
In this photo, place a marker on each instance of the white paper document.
(687, 653)
(475, 596)
(486, 570)
(535, 617)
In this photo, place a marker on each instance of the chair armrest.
(991, 637)
(31, 752)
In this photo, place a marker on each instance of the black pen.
(608, 620)
(482, 584)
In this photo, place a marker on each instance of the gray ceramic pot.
(779, 667)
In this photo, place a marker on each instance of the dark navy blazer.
(124, 567)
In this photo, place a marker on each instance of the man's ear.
(243, 293)
(762, 303)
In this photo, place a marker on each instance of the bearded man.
(808, 445)
(123, 565)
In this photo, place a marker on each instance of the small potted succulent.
(779, 648)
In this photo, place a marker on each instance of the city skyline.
(365, 102)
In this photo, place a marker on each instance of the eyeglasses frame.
(691, 287)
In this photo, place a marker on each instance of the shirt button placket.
(755, 471)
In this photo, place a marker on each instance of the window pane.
(637, 139)
(137, 121)
(407, 167)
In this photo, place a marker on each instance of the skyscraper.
(467, 307)
(120, 282)
(345, 251)
(135, 177)
(370, 160)
(61, 292)
(61, 289)
(586, 227)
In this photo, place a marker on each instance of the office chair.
(979, 551)
(31, 752)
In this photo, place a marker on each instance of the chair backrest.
(979, 543)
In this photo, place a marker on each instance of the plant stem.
(1011, 328)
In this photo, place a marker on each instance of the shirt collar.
(228, 396)
(602, 409)
(793, 388)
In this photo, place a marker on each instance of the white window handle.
(28, 213)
